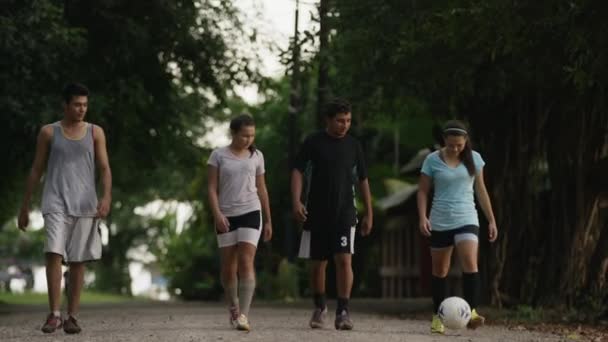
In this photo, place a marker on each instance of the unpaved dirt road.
(176, 322)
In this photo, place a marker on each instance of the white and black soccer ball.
(454, 313)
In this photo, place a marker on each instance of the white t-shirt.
(237, 191)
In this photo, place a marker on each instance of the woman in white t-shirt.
(455, 172)
(238, 196)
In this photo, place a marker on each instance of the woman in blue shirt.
(454, 172)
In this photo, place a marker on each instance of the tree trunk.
(539, 173)
(582, 230)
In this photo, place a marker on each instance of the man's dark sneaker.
(317, 321)
(70, 326)
(52, 323)
(343, 321)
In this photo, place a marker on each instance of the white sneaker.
(242, 323)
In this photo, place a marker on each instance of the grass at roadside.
(569, 324)
(88, 297)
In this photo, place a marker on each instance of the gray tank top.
(69, 185)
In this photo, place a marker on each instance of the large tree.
(530, 77)
(35, 42)
(156, 69)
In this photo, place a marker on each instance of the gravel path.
(174, 322)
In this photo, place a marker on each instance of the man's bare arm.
(103, 164)
(40, 158)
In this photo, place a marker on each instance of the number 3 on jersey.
(343, 241)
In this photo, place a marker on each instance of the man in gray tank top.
(70, 149)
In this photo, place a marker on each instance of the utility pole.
(294, 108)
(323, 77)
(294, 96)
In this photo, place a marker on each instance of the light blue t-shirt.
(453, 202)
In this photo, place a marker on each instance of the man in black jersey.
(328, 166)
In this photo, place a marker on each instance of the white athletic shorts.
(77, 239)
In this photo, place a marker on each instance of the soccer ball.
(454, 312)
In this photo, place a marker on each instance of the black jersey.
(331, 167)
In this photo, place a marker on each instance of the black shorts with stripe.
(323, 243)
(243, 228)
(448, 238)
(251, 220)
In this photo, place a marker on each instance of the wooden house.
(406, 262)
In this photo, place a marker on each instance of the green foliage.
(165, 68)
(35, 43)
(287, 280)
(589, 306)
(282, 284)
(88, 297)
(527, 313)
(529, 77)
(190, 259)
(194, 268)
(21, 247)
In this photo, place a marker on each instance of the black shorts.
(252, 220)
(243, 228)
(447, 238)
(322, 243)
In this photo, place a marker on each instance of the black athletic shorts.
(251, 220)
(447, 238)
(243, 228)
(322, 243)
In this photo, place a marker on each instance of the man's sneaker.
(234, 315)
(242, 323)
(70, 326)
(317, 321)
(437, 326)
(476, 320)
(343, 321)
(52, 323)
